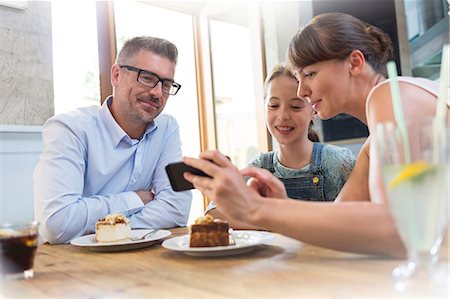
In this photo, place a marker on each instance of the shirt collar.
(115, 131)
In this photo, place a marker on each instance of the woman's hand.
(226, 186)
(264, 182)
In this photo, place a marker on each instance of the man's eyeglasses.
(150, 79)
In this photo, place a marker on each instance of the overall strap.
(316, 158)
(267, 161)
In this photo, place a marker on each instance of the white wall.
(26, 102)
(20, 147)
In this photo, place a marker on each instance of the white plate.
(89, 241)
(245, 241)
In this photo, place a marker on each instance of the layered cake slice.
(112, 228)
(207, 232)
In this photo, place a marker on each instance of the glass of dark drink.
(18, 245)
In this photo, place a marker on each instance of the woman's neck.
(357, 108)
(297, 155)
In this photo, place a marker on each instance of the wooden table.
(284, 268)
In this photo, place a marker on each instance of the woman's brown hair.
(334, 36)
(281, 70)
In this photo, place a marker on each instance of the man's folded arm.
(58, 185)
(168, 208)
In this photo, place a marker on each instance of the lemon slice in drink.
(410, 172)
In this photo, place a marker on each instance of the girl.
(308, 169)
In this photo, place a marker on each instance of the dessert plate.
(89, 241)
(245, 241)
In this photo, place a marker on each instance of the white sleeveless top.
(425, 84)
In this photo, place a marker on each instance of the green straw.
(398, 109)
(441, 109)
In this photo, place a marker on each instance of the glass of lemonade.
(417, 191)
(18, 245)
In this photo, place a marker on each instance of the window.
(75, 55)
(134, 19)
(234, 96)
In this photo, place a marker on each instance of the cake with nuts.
(113, 228)
(207, 232)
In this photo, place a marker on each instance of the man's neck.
(133, 129)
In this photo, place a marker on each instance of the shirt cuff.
(134, 203)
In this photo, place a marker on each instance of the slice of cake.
(207, 232)
(112, 228)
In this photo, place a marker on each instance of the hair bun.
(383, 46)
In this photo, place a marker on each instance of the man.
(111, 159)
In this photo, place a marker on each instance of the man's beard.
(144, 115)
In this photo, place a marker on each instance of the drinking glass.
(417, 193)
(18, 245)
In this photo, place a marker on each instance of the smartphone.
(175, 173)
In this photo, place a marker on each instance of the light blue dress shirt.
(90, 168)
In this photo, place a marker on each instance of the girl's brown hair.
(334, 36)
(281, 70)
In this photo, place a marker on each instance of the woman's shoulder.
(406, 82)
(418, 96)
(423, 83)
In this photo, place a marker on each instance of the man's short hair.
(156, 45)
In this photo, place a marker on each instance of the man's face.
(135, 104)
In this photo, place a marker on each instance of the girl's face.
(287, 115)
(325, 85)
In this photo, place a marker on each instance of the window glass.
(412, 18)
(75, 55)
(234, 93)
(137, 18)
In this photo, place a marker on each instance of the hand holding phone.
(175, 173)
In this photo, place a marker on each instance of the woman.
(340, 64)
(309, 170)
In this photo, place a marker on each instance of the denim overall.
(308, 185)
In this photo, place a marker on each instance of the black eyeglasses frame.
(139, 71)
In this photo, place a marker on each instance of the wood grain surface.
(281, 269)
